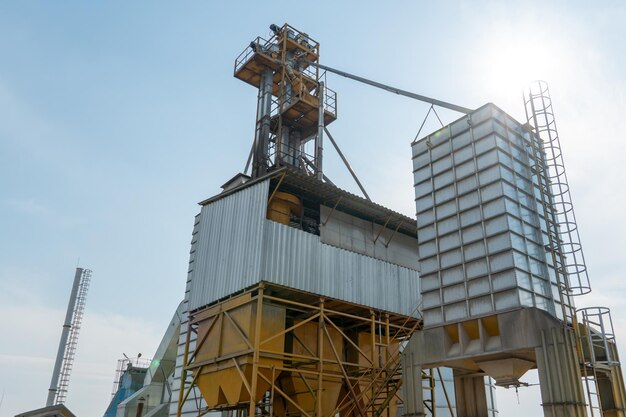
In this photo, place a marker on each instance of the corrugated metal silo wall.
(227, 256)
(237, 247)
(299, 260)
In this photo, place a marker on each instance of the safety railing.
(261, 45)
(330, 101)
(285, 99)
(123, 365)
(540, 115)
(290, 155)
(598, 336)
(300, 38)
(271, 49)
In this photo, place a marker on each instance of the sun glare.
(514, 58)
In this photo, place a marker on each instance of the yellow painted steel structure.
(294, 104)
(277, 351)
(283, 206)
(299, 106)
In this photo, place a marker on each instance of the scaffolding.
(123, 365)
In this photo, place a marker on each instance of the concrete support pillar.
(560, 380)
(412, 378)
(471, 397)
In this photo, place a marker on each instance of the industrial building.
(303, 299)
(501, 265)
(144, 387)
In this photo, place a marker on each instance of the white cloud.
(28, 355)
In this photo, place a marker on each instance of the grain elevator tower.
(299, 294)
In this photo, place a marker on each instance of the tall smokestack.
(69, 337)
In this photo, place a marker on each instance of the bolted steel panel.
(481, 246)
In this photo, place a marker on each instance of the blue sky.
(116, 118)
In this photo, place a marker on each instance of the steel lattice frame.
(371, 384)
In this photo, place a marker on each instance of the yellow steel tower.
(313, 341)
(294, 104)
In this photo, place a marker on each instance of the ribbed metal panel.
(237, 247)
(229, 244)
(299, 260)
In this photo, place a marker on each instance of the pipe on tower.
(262, 134)
(319, 139)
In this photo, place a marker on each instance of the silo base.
(276, 351)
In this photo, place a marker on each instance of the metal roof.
(312, 189)
(58, 410)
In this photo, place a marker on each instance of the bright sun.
(512, 59)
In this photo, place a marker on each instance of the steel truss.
(370, 378)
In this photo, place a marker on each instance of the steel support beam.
(366, 384)
(347, 164)
(394, 90)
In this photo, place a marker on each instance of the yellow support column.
(320, 355)
(255, 360)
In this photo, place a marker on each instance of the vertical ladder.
(428, 390)
(553, 246)
(563, 247)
